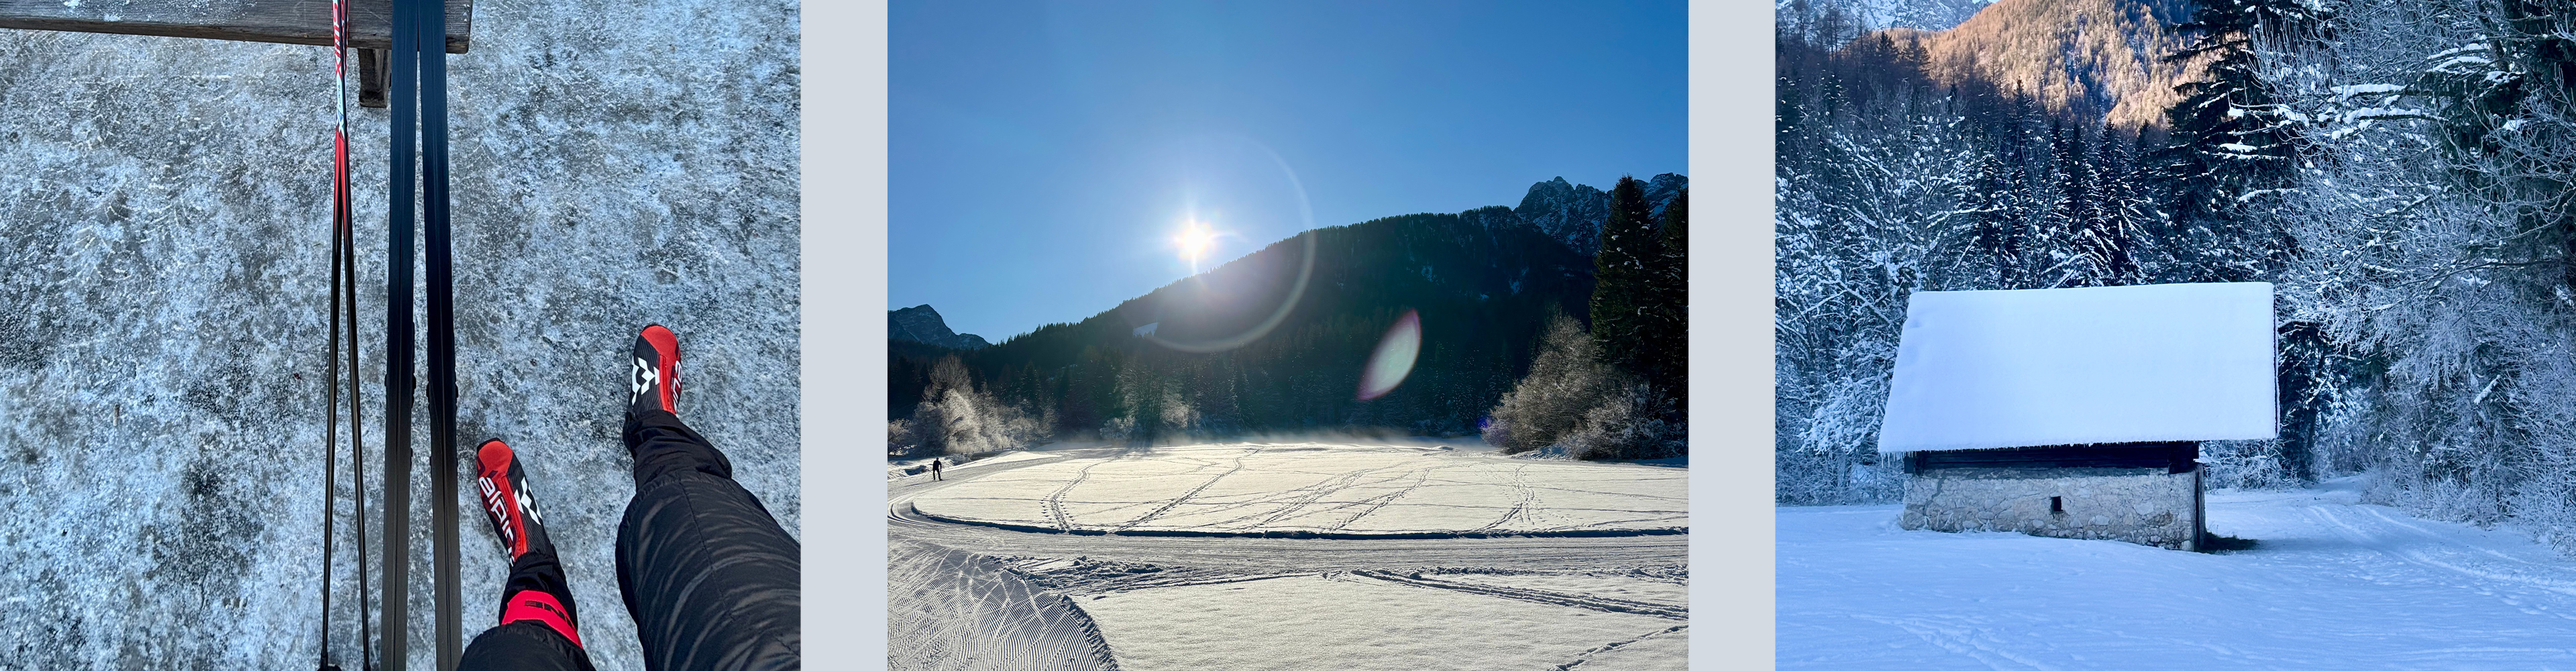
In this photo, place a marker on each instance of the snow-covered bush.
(900, 439)
(1592, 409)
(1119, 431)
(954, 418)
(2246, 464)
(1566, 380)
(1179, 421)
(1627, 424)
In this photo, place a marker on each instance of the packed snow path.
(1634, 585)
(2331, 584)
(957, 610)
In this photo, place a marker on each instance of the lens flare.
(1296, 289)
(1394, 357)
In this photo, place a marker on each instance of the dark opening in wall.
(2057, 504)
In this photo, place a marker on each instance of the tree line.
(1487, 288)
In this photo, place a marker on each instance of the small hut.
(2076, 413)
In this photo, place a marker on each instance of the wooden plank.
(278, 21)
(2173, 457)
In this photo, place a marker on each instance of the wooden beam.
(2173, 457)
(278, 21)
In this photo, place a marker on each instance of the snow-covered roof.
(1997, 369)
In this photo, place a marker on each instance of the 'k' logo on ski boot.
(655, 376)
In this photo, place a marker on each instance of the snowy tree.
(1665, 345)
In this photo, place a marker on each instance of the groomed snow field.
(1432, 558)
(1325, 488)
(1341, 621)
(2331, 584)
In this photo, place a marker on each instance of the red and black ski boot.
(503, 487)
(536, 589)
(654, 383)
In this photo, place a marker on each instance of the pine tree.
(2234, 141)
(1665, 351)
(1623, 291)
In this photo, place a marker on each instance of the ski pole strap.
(529, 604)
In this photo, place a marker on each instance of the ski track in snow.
(1007, 577)
(1584, 601)
(951, 610)
(1177, 500)
(1055, 502)
(2332, 584)
(1348, 490)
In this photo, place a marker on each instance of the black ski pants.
(707, 573)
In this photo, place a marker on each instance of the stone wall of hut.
(2149, 507)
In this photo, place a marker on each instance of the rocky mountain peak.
(922, 324)
(1572, 213)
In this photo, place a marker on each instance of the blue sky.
(1044, 156)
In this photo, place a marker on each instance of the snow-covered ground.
(1320, 488)
(979, 596)
(956, 610)
(164, 213)
(903, 468)
(1343, 621)
(2331, 584)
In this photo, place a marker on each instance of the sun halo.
(1194, 241)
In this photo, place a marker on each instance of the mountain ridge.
(2088, 58)
(1572, 213)
(922, 324)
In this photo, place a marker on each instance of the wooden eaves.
(275, 21)
(278, 21)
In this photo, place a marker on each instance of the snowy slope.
(163, 213)
(2332, 584)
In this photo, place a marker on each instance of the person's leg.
(537, 629)
(524, 645)
(708, 574)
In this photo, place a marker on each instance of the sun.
(1194, 241)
